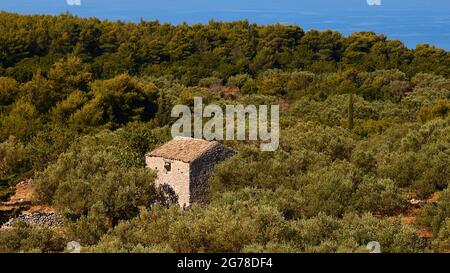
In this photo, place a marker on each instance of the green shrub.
(25, 238)
(442, 242)
(96, 179)
(14, 159)
(433, 216)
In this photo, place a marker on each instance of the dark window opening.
(167, 166)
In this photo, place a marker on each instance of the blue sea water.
(411, 21)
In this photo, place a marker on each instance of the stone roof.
(184, 149)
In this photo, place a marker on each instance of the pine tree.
(163, 114)
(350, 112)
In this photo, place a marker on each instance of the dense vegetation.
(365, 128)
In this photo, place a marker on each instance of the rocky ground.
(21, 198)
(35, 215)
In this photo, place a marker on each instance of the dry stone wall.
(49, 219)
(201, 170)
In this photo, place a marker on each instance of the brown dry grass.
(22, 199)
(410, 216)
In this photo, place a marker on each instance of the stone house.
(185, 165)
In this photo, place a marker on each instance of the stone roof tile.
(184, 149)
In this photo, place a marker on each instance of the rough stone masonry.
(48, 219)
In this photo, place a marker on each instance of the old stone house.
(185, 165)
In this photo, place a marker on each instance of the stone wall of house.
(201, 170)
(177, 178)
